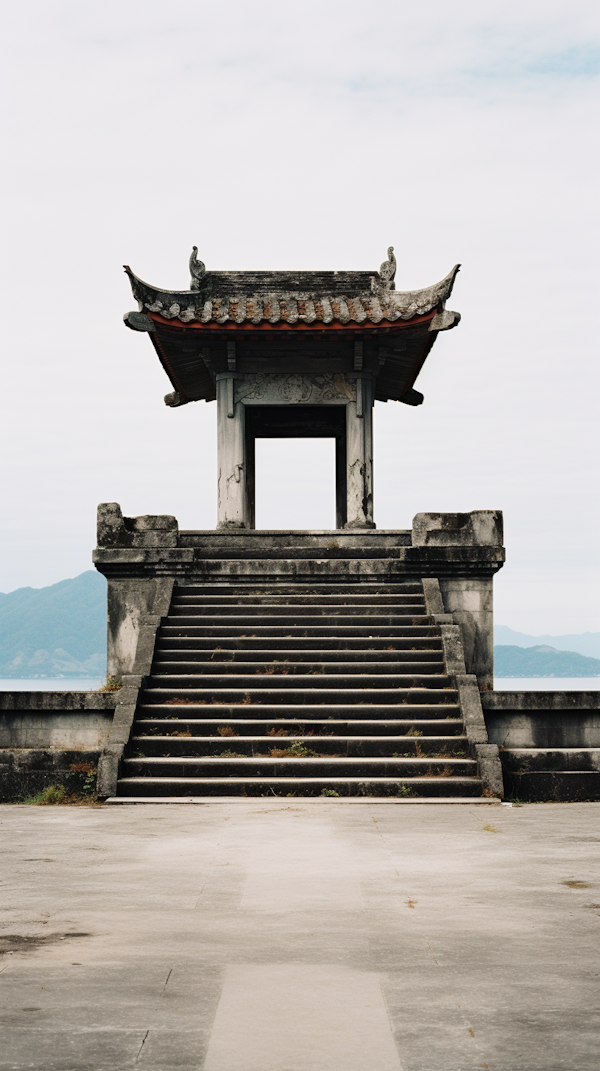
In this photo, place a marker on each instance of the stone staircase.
(299, 689)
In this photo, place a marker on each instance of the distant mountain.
(58, 631)
(586, 643)
(543, 661)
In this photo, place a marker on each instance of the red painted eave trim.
(282, 325)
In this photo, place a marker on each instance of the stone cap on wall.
(442, 545)
(115, 530)
(481, 528)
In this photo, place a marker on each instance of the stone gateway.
(293, 354)
(354, 663)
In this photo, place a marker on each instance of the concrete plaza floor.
(300, 936)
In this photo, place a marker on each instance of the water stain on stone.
(16, 942)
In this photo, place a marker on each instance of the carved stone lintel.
(277, 389)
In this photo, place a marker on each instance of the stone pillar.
(468, 597)
(231, 460)
(470, 601)
(128, 543)
(359, 456)
(128, 601)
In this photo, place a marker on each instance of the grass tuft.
(113, 684)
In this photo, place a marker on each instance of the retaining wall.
(44, 735)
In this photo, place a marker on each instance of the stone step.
(256, 586)
(189, 611)
(353, 746)
(304, 681)
(313, 801)
(325, 552)
(296, 620)
(336, 570)
(345, 646)
(186, 707)
(528, 759)
(274, 598)
(279, 668)
(165, 656)
(387, 569)
(163, 723)
(299, 696)
(294, 631)
(301, 786)
(567, 786)
(275, 663)
(230, 765)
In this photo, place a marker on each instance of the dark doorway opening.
(297, 422)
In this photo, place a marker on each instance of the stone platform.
(316, 936)
(336, 618)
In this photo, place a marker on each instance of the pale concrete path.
(267, 936)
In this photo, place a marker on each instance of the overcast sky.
(306, 135)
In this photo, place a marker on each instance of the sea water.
(546, 684)
(501, 684)
(51, 684)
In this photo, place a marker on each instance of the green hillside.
(543, 661)
(58, 631)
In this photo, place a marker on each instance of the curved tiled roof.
(254, 298)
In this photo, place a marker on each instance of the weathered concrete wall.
(543, 719)
(56, 719)
(27, 771)
(54, 729)
(46, 737)
(549, 743)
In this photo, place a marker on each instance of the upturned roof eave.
(377, 306)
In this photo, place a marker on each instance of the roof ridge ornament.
(197, 269)
(387, 271)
